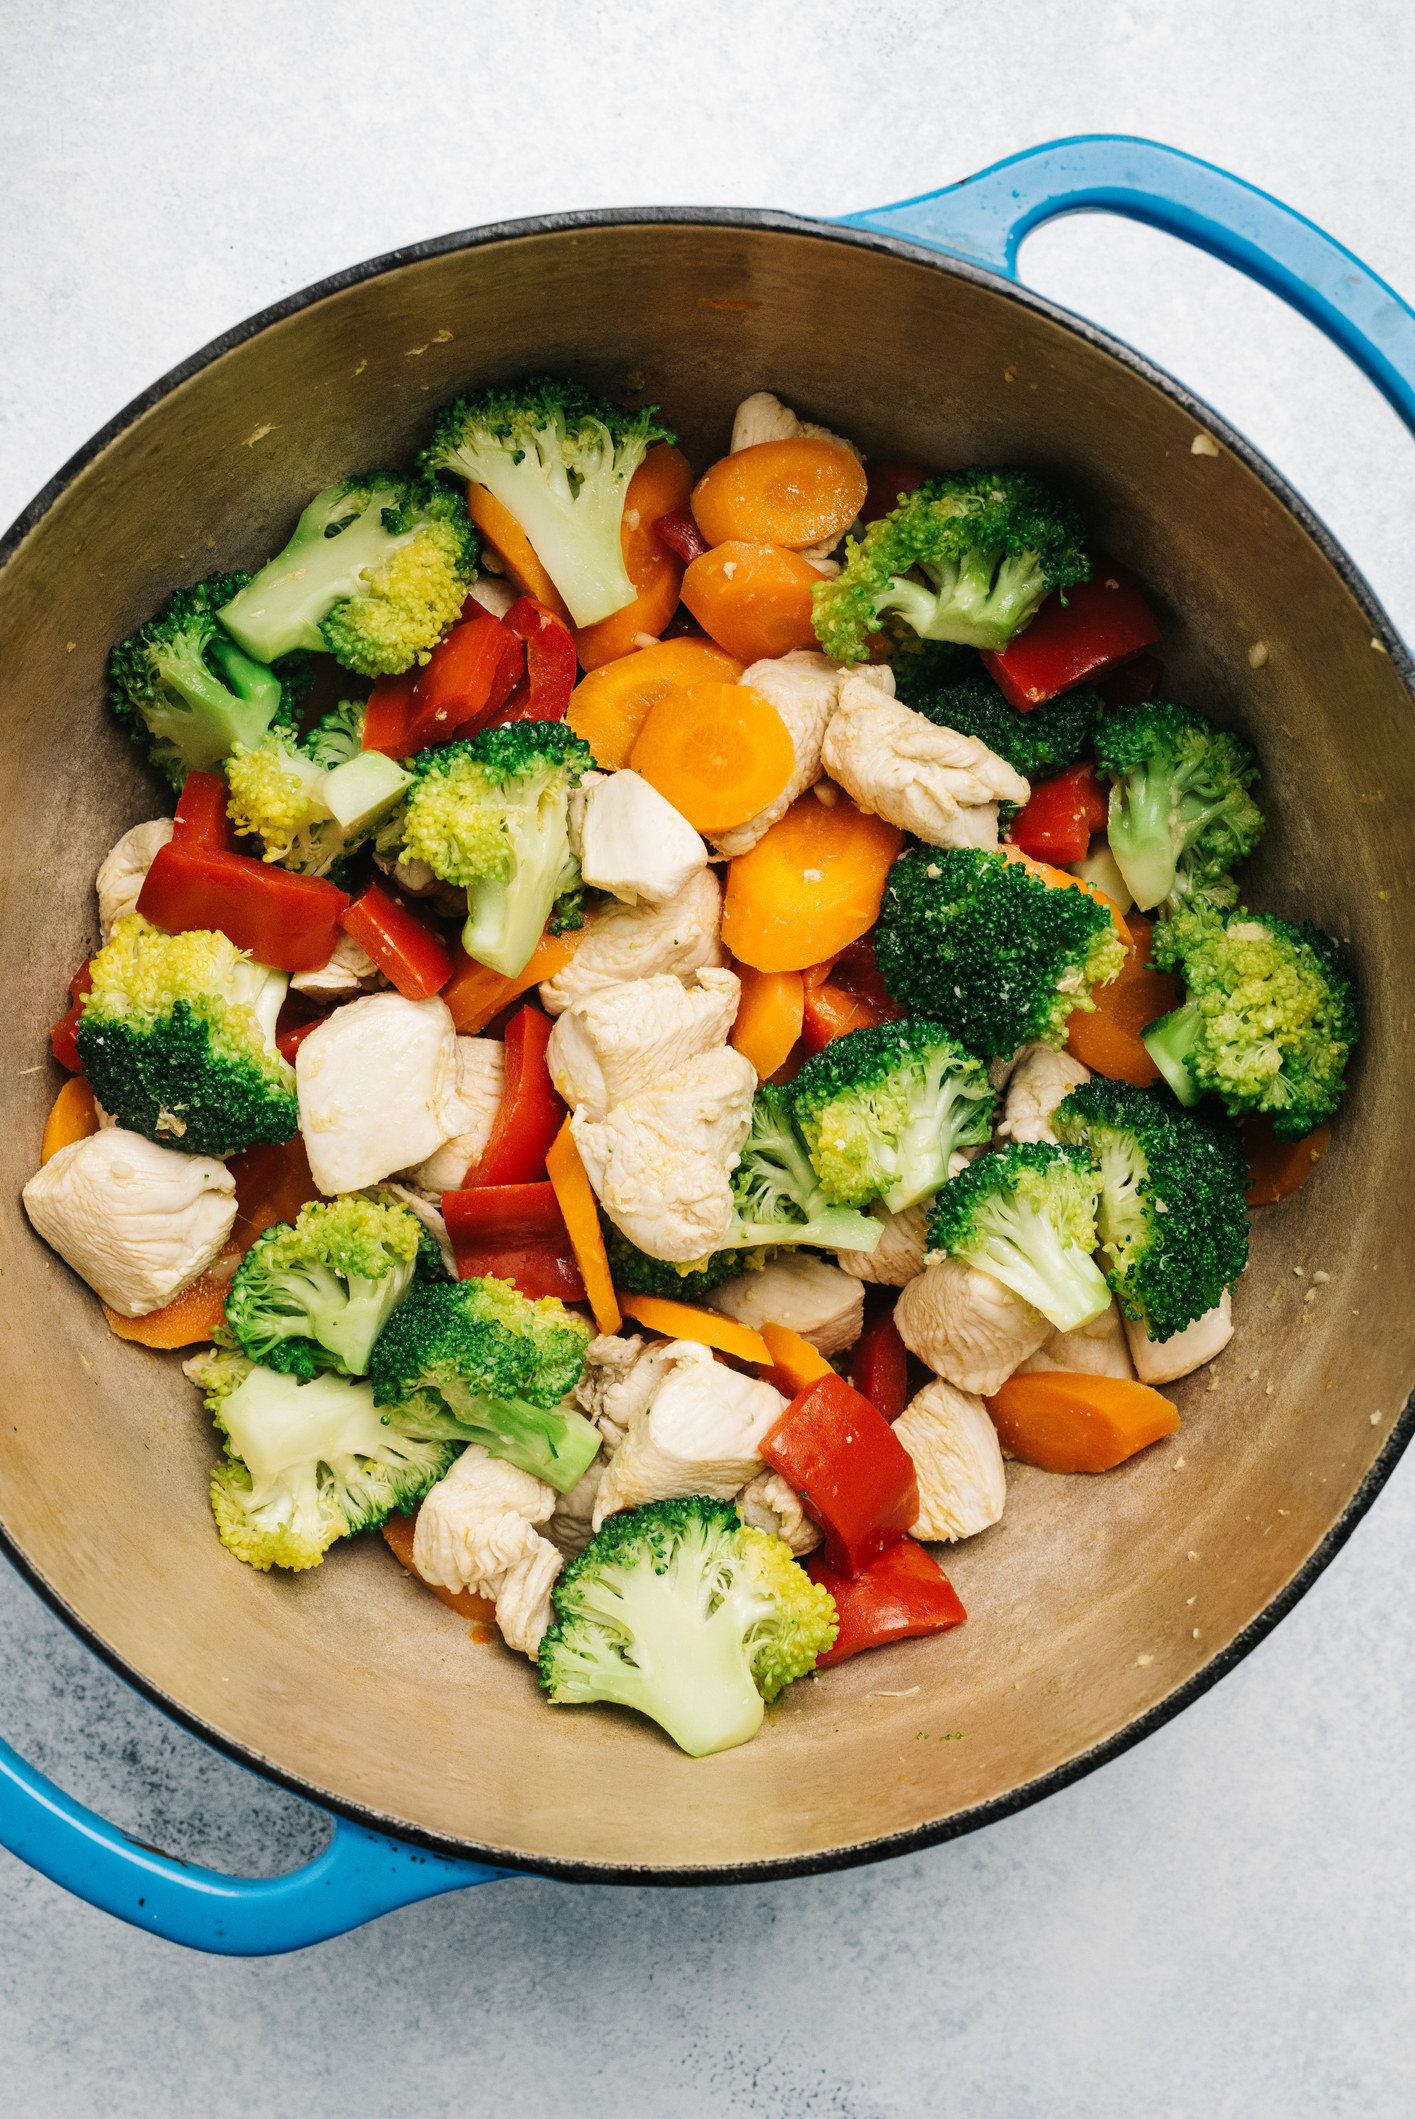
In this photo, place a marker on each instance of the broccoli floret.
(310, 816)
(475, 1361)
(177, 1039)
(376, 572)
(1180, 811)
(1027, 1215)
(339, 736)
(317, 1292)
(559, 459)
(950, 687)
(306, 1462)
(637, 1273)
(967, 557)
(183, 687)
(1268, 1021)
(882, 1110)
(997, 956)
(493, 815)
(1171, 1218)
(777, 1197)
(680, 1611)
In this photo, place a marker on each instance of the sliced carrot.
(500, 528)
(579, 1209)
(1277, 1167)
(791, 493)
(272, 1184)
(1108, 1040)
(398, 1533)
(189, 1317)
(753, 599)
(1065, 1422)
(661, 484)
(718, 752)
(769, 1017)
(608, 709)
(682, 1320)
(794, 1361)
(73, 1115)
(809, 887)
(475, 993)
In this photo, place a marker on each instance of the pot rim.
(858, 1854)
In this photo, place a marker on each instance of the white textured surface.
(1218, 1923)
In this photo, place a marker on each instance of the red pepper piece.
(903, 1592)
(63, 1042)
(1133, 683)
(845, 994)
(551, 667)
(452, 692)
(201, 818)
(853, 1474)
(1102, 623)
(531, 1113)
(282, 919)
(879, 1363)
(288, 1042)
(405, 952)
(681, 534)
(1056, 823)
(516, 1232)
(884, 482)
(388, 714)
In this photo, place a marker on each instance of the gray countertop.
(1217, 1923)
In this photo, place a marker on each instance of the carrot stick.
(794, 1361)
(612, 704)
(1108, 1039)
(500, 528)
(1277, 1167)
(769, 1017)
(809, 887)
(718, 752)
(792, 493)
(73, 1115)
(661, 484)
(1065, 1422)
(575, 1197)
(681, 1320)
(754, 599)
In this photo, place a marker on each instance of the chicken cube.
(805, 1293)
(660, 1162)
(898, 1257)
(627, 1038)
(619, 1378)
(124, 871)
(572, 1525)
(523, 1607)
(967, 1326)
(374, 1080)
(636, 941)
(137, 1221)
(699, 1435)
(1095, 1349)
(957, 1462)
(471, 1113)
(1166, 1360)
(762, 417)
(479, 1518)
(942, 786)
(1040, 1080)
(804, 688)
(631, 841)
(771, 1503)
(349, 970)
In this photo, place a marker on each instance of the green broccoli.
(339, 736)
(475, 1361)
(992, 952)
(989, 545)
(1180, 811)
(317, 1292)
(493, 814)
(637, 1273)
(311, 815)
(306, 1463)
(1171, 1218)
(377, 571)
(950, 687)
(559, 459)
(177, 1038)
(1268, 1021)
(777, 1197)
(1027, 1215)
(680, 1611)
(882, 1110)
(182, 686)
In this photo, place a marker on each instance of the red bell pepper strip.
(551, 668)
(63, 1042)
(1100, 624)
(879, 1363)
(903, 1592)
(516, 1232)
(845, 994)
(1133, 683)
(454, 689)
(201, 818)
(408, 955)
(288, 1042)
(884, 482)
(681, 534)
(1057, 821)
(531, 1113)
(853, 1474)
(282, 919)
(388, 713)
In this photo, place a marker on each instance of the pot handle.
(984, 219)
(359, 1875)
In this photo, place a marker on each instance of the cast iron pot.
(904, 328)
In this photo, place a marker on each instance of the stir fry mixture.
(676, 1025)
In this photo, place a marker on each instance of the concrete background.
(1218, 1923)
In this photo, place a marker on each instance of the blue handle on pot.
(359, 1875)
(984, 219)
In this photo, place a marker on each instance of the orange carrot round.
(608, 709)
(189, 1317)
(754, 599)
(791, 493)
(73, 1115)
(809, 887)
(661, 484)
(399, 1533)
(1277, 1167)
(717, 752)
(500, 528)
(1108, 1040)
(1065, 1422)
(769, 1017)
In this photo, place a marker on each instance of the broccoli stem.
(689, 1673)
(1169, 1043)
(238, 710)
(282, 606)
(1023, 1249)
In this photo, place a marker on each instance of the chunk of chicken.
(138, 1222)
(470, 1111)
(479, 1518)
(771, 1503)
(374, 1080)
(957, 1462)
(967, 1326)
(124, 871)
(805, 1293)
(1040, 1080)
(493, 591)
(762, 417)
(620, 1376)
(523, 1607)
(624, 1039)
(699, 1435)
(635, 941)
(660, 1161)
(349, 970)
(1166, 1360)
(898, 1257)
(631, 841)
(416, 880)
(1095, 1349)
(572, 1525)
(942, 786)
(804, 688)
(429, 1212)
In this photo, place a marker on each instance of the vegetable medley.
(675, 1026)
